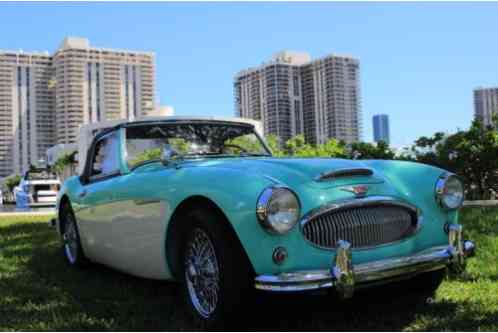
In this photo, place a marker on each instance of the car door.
(123, 219)
(98, 196)
(140, 208)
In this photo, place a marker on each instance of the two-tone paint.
(124, 221)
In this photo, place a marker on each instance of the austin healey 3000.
(202, 201)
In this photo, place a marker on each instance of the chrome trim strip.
(361, 202)
(346, 172)
(431, 259)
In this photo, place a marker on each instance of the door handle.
(82, 194)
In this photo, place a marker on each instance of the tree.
(273, 143)
(12, 181)
(62, 162)
(332, 148)
(424, 150)
(147, 155)
(298, 147)
(365, 150)
(473, 155)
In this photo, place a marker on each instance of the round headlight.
(449, 191)
(278, 209)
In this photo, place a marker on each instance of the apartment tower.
(485, 104)
(94, 84)
(26, 109)
(44, 99)
(293, 94)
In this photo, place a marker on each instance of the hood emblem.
(359, 191)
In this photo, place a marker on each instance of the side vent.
(341, 173)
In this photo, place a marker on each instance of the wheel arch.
(176, 229)
(60, 221)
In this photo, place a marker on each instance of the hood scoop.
(343, 173)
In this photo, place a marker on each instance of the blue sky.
(419, 61)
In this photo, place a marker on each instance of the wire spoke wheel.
(70, 238)
(202, 273)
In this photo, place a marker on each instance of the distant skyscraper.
(381, 128)
(485, 104)
(291, 95)
(45, 98)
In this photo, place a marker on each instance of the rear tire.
(71, 244)
(215, 274)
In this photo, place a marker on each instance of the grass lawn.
(39, 292)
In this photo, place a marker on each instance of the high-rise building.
(381, 128)
(292, 94)
(485, 104)
(26, 109)
(94, 84)
(44, 99)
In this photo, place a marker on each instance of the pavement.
(12, 210)
(481, 203)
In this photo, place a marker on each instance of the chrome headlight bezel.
(441, 191)
(263, 210)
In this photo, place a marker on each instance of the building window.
(28, 117)
(97, 78)
(134, 92)
(89, 68)
(296, 85)
(19, 115)
(127, 100)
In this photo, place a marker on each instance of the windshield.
(40, 175)
(192, 140)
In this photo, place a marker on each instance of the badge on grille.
(358, 190)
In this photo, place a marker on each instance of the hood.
(298, 171)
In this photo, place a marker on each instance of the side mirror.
(169, 154)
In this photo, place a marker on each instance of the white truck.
(38, 187)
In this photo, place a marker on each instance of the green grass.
(39, 292)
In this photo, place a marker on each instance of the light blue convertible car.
(203, 202)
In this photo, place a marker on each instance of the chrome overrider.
(346, 277)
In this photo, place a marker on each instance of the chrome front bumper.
(345, 276)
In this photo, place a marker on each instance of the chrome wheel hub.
(202, 273)
(70, 240)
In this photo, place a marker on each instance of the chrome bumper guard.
(346, 277)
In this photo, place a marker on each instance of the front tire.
(215, 275)
(71, 244)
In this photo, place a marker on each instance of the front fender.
(236, 194)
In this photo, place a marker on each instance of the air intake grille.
(361, 226)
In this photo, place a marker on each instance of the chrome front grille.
(362, 226)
